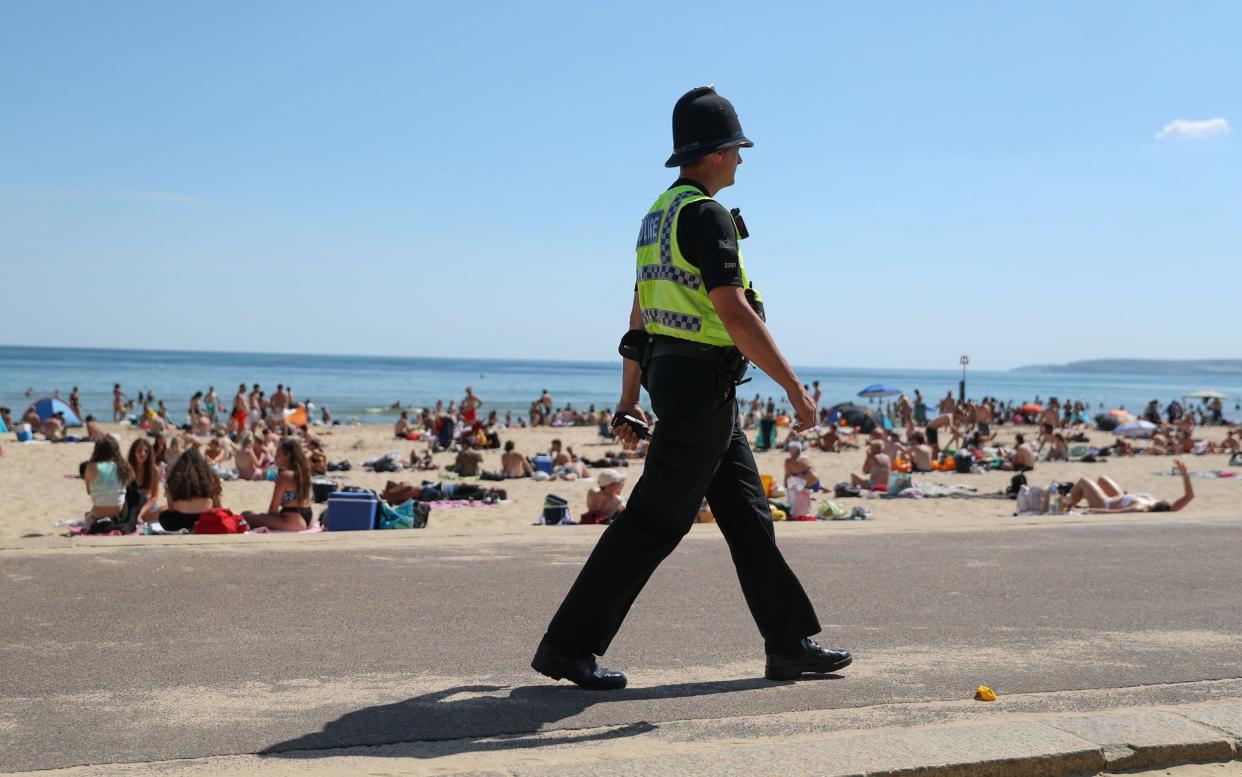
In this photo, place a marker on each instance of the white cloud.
(1185, 129)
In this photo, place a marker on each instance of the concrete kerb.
(1055, 745)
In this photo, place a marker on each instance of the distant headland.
(1143, 367)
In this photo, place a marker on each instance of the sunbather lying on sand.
(1105, 496)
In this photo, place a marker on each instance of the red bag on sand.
(219, 520)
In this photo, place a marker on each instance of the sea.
(366, 388)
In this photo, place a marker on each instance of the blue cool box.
(351, 511)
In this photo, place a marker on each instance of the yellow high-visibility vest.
(671, 293)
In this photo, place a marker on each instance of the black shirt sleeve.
(708, 240)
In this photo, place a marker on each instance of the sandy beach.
(39, 485)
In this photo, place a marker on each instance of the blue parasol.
(879, 390)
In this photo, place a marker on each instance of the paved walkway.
(158, 653)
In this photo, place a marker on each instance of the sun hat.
(608, 477)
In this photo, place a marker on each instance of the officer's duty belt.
(674, 346)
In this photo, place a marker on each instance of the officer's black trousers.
(697, 450)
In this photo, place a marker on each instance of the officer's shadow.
(486, 718)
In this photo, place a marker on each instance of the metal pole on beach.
(961, 387)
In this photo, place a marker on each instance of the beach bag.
(831, 511)
(799, 497)
(843, 489)
(220, 520)
(555, 511)
(322, 488)
(962, 462)
(1015, 484)
(410, 514)
(1032, 500)
(898, 482)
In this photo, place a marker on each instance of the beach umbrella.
(877, 390)
(1116, 413)
(1206, 394)
(50, 406)
(1031, 408)
(1106, 423)
(860, 418)
(1135, 429)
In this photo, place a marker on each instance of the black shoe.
(811, 658)
(581, 670)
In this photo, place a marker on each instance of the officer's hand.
(803, 407)
(623, 430)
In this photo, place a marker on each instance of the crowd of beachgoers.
(173, 473)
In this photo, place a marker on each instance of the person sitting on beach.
(921, 454)
(468, 460)
(1104, 496)
(7, 417)
(106, 475)
(423, 461)
(93, 431)
(514, 464)
(290, 508)
(1232, 442)
(1023, 458)
(31, 416)
(402, 427)
(1159, 446)
(604, 502)
(216, 454)
(1060, 448)
(53, 427)
(250, 465)
(893, 448)
(193, 489)
(316, 455)
(145, 473)
(876, 467)
(574, 467)
(796, 466)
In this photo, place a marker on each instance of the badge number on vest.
(650, 229)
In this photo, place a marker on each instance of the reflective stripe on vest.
(671, 294)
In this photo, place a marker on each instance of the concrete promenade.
(1112, 645)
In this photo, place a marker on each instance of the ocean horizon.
(365, 387)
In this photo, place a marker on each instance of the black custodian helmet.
(703, 123)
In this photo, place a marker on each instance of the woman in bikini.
(192, 490)
(290, 508)
(1105, 496)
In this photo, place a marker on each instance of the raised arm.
(1188, 490)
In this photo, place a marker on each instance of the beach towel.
(935, 491)
(449, 504)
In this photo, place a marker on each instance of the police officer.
(695, 321)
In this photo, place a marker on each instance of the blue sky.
(929, 179)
